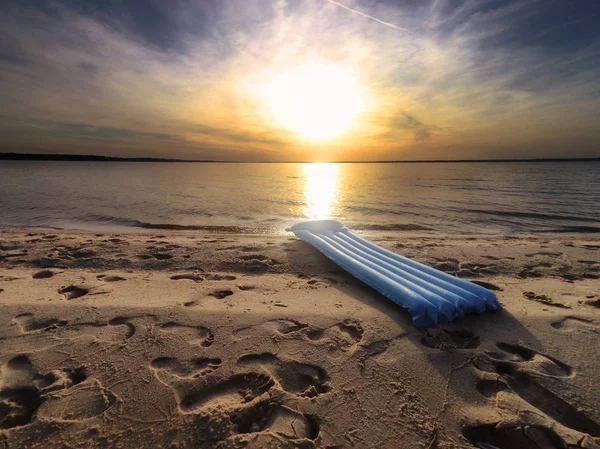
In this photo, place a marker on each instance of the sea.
(508, 198)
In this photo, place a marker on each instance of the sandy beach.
(205, 340)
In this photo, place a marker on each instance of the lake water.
(455, 198)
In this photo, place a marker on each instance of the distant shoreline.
(96, 158)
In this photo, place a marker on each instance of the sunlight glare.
(317, 101)
(320, 189)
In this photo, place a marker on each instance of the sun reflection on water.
(320, 189)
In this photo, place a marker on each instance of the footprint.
(230, 393)
(503, 436)
(114, 330)
(270, 417)
(221, 294)
(23, 389)
(162, 256)
(447, 265)
(450, 339)
(489, 388)
(541, 398)
(516, 356)
(82, 253)
(375, 348)
(342, 335)
(191, 334)
(544, 300)
(574, 322)
(197, 367)
(260, 257)
(9, 278)
(29, 323)
(73, 291)
(110, 278)
(592, 301)
(45, 274)
(277, 326)
(84, 401)
(294, 377)
(188, 276)
(544, 253)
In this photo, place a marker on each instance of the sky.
(301, 80)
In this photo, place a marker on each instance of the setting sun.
(317, 101)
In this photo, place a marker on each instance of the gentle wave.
(390, 227)
(535, 215)
(569, 229)
(207, 228)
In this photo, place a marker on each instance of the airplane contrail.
(391, 25)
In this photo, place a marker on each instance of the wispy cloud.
(354, 11)
(442, 79)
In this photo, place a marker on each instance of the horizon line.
(61, 157)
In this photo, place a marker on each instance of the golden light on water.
(320, 189)
(316, 100)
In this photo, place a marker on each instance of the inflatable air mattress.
(429, 295)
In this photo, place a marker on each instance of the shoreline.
(179, 339)
(400, 230)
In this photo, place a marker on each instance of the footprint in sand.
(84, 401)
(517, 357)
(273, 421)
(73, 291)
(198, 335)
(9, 278)
(194, 368)
(45, 274)
(29, 323)
(221, 294)
(513, 378)
(117, 329)
(26, 394)
(340, 336)
(294, 377)
(114, 330)
(77, 291)
(251, 263)
(508, 436)
(188, 276)
(450, 339)
(229, 393)
(276, 327)
(571, 323)
(260, 257)
(524, 386)
(110, 278)
(162, 256)
(242, 401)
(544, 253)
(547, 301)
(343, 335)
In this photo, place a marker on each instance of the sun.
(317, 101)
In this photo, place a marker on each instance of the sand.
(198, 340)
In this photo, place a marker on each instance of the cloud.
(442, 79)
